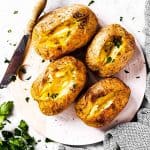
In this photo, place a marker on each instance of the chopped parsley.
(13, 78)
(53, 95)
(43, 60)
(126, 71)
(27, 99)
(9, 31)
(121, 18)
(117, 41)
(91, 2)
(74, 85)
(138, 77)
(6, 61)
(29, 78)
(109, 59)
(15, 12)
(47, 140)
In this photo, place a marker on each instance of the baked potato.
(59, 85)
(63, 30)
(102, 102)
(110, 50)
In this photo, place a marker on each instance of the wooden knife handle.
(35, 14)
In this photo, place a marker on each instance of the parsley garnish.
(15, 12)
(9, 31)
(48, 140)
(121, 18)
(126, 71)
(53, 95)
(29, 78)
(27, 99)
(91, 2)
(13, 78)
(109, 59)
(6, 61)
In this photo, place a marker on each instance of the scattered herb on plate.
(15, 12)
(43, 60)
(121, 18)
(9, 31)
(29, 78)
(91, 2)
(13, 78)
(138, 77)
(126, 71)
(27, 99)
(6, 61)
(47, 140)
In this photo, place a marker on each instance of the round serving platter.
(66, 127)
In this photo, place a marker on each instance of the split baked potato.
(63, 30)
(59, 85)
(102, 102)
(110, 50)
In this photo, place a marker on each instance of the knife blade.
(19, 54)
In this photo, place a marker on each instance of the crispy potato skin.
(110, 50)
(102, 102)
(63, 30)
(59, 85)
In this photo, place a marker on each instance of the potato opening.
(59, 83)
(110, 49)
(100, 104)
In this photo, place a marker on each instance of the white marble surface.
(132, 12)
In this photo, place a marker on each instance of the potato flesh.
(60, 83)
(110, 50)
(100, 104)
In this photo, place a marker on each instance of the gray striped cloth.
(132, 135)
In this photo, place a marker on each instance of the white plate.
(66, 127)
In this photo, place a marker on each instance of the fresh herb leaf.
(9, 31)
(6, 108)
(6, 61)
(23, 126)
(121, 18)
(109, 59)
(91, 2)
(7, 134)
(47, 140)
(17, 132)
(14, 44)
(126, 71)
(15, 12)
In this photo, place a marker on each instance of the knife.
(19, 54)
